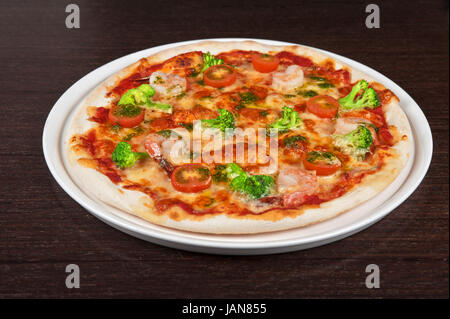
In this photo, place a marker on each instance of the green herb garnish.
(187, 126)
(325, 85)
(291, 141)
(210, 60)
(115, 128)
(308, 93)
(137, 131)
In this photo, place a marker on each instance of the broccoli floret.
(254, 186)
(124, 157)
(210, 60)
(141, 96)
(356, 143)
(223, 121)
(138, 96)
(233, 170)
(289, 120)
(367, 98)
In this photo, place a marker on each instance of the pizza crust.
(138, 204)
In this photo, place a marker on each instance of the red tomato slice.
(191, 178)
(265, 63)
(323, 106)
(123, 120)
(320, 165)
(219, 76)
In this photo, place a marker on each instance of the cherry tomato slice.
(191, 178)
(131, 120)
(323, 106)
(265, 63)
(324, 163)
(219, 76)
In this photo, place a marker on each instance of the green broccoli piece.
(124, 157)
(223, 121)
(367, 97)
(289, 120)
(356, 143)
(141, 96)
(254, 186)
(138, 96)
(210, 60)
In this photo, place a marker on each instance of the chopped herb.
(210, 60)
(129, 137)
(221, 175)
(289, 96)
(326, 85)
(167, 133)
(181, 95)
(318, 78)
(264, 113)
(248, 97)
(128, 110)
(308, 93)
(115, 128)
(245, 99)
(327, 157)
(158, 80)
(291, 141)
(201, 82)
(325, 82)
(238, 107)
(137, 131)
(211, 201)
(187, 126)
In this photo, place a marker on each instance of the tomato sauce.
(101, 115)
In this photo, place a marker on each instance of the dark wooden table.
(42, 229)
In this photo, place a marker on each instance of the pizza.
(237, 138)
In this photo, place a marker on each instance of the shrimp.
(173, 149)
(296, 184)
(345, 125)
(291, 78)
(152, 144)
(167, 85)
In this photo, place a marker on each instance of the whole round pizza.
(238, 137)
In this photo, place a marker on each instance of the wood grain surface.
(42, 229)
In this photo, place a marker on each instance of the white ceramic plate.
(267, 243)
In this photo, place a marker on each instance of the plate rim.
(176, 240)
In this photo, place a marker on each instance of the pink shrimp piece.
(296, 184)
